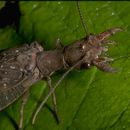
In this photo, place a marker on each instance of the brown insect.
(23, 66)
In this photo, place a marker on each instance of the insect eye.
(82, 47)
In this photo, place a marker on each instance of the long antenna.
(53, 89)
(81, 18)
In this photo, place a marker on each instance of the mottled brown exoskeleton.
(23, 66)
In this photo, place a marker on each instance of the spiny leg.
(53, 100)
(24, 101)
(104, 35)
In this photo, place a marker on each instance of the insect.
(23, 66)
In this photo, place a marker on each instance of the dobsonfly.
(23, 66)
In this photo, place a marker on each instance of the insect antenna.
(53, 89)
(66, 73)
(81, 18)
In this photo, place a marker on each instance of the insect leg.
(24, 101)
(53, 89)
(53, 100)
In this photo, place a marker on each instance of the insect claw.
(111, 70)
(104, 66)
(114, 30)
(107, 68)
(104, 35)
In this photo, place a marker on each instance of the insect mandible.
(23, 66)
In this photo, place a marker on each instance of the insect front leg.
(53, 100)
(24, 101)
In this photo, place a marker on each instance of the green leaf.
(86, 100)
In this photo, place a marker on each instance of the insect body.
(21, 67)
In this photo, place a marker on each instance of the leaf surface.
(86, 100)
